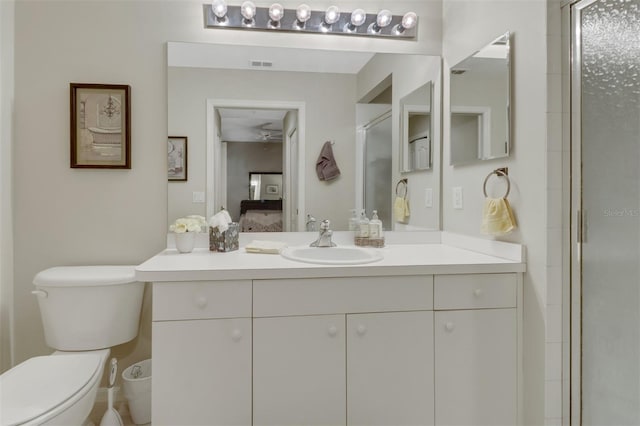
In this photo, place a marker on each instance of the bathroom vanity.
(430, 334)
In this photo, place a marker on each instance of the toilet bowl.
(85, 311)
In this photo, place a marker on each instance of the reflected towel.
(220, 220)
(401, 210)
(497, 217)
(261, 246)
(326, 167)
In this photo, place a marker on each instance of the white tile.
(554, 132)
(553, 361)
(554, 50)
(554, 324)
(553, 399)
(554, 207)
(555, 421)
(554, 21)
(566, 132)
(554, 285)
(554, 171)
(554, 246)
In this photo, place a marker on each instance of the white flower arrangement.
(191, 223)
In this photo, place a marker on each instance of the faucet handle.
(324, 225)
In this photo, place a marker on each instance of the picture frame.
(100, 126)
(177, 158)
(271, 189)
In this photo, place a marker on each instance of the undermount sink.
(332, 255)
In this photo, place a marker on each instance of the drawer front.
(316, 296)
(475, 291)
(201, 300)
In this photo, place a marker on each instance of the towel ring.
(498, 172)
(403, 182)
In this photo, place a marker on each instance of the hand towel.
(263, 246)
(401, 210)
(497, 217)
(326, 167)
(220, 220)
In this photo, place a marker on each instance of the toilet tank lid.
(72, 276)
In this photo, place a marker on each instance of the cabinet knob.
(201, 302)
(478, 292)
(449, 326)
(333, 330)
(236, 335)
(361, 330)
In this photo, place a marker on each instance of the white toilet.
(85, 311)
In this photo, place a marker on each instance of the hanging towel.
(326, 166)
(401, 210)
(497, 217)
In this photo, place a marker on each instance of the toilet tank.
(89, 307)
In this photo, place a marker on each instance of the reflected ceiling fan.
(267, 132)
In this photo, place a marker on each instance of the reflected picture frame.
(100, 126)
(271, 189)
(177, 158)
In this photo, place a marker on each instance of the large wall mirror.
(480, 88)
(416, 122)
(272, 110)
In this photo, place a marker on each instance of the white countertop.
(445, 257)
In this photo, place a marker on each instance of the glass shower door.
(377, 169)
(606, 164)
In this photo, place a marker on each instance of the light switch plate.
(428, 197)
(457, 197)
(198, 197)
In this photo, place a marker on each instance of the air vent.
(256, 63)
(458, 71)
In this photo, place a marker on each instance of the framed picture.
(271, 189)
(177, 158)
(100, 126)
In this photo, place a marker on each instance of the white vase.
(185, 241)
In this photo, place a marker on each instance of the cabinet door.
(390, 368)
(475, 367)
(299, 371)
(202, 372)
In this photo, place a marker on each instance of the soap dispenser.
(354, 222)
(375, 226)
(364, 225)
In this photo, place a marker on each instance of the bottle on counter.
(364, 225)
(375, 226)
(354, 222)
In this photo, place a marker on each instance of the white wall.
(330, 115)
(7, 9)
(72, 217)
(468, 25)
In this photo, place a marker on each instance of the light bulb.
(409, 20)
(303, 13)
(383, 19)
(358, 17)
(219, 8)
(276, 12)
(332, 15)
(248, 10)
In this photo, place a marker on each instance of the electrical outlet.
(198, 197)
(428, 197)
(457, 197)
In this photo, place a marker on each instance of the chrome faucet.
(324, 239)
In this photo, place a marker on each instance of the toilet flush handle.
(40, 293)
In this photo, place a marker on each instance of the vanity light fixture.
(248, 12)
(383, 19)
(358, 17)
(303, 14)
(331, 16)
(358, 22)
(276, 12)
(409, 20)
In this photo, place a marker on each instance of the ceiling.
(251, 125)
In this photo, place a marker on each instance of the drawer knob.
(236, 335)
(449, 326)
(361, 330)
(333, 331)
(478, 292)
(201, 302)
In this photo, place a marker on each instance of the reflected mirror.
(479, 99)
(284, 105)
(415, 126)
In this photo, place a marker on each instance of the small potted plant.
(185, 229)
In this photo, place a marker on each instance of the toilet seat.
(41, 384)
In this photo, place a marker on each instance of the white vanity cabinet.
(202, 353)
(476, 349)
